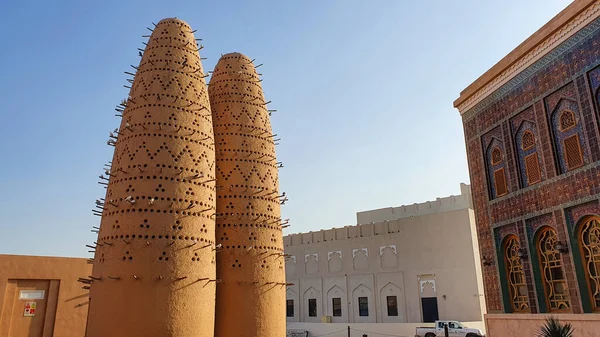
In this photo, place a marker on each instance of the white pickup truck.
(455, 329)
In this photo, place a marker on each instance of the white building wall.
(428, 255)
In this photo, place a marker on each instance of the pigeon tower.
(154, 263)
(250, 262)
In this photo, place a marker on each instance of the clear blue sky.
(363, 89)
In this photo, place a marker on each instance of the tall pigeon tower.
(250, 264)
(154, 263)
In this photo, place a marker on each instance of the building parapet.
(344, 233)
(451, 203)
(385, 223)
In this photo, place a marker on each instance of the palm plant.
(553, 328)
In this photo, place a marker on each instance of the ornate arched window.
(517, 285)
(527, 140)
(530, 159)
(496, 156)
(555, 285)
(567, 120)
(497, 172)
(589, 238)
(495, 163)
(568, 136)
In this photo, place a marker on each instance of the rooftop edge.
(552, 26)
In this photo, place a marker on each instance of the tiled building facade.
(532, 131)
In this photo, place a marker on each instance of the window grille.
(555, 285)
(532, 169)
(572, 152)
(589, 238)
(517, 285)
(500, 182)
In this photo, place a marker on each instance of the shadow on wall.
(77, 298)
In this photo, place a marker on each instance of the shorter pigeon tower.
(250, 264)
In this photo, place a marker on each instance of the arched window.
(555, 285)
(498, 174)
(495, 166)
(496, 156)
(589, 238)
(528, 160)
(514, 273)
(567, 120)
(527, 140)
(568, 136)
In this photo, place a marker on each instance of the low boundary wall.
(519, 325)
(358, 329)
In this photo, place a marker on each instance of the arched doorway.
(517, 286)
(589, 244)
(552, 272)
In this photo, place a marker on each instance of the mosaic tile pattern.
(568, 267)
(589, 117)
(566, 92)
(527, 268)
(536, 223)
(513, 174)
(504, 231)
(525, 115)
(575, 213)
(594, 78)
(477, 168)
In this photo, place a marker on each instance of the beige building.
(407, 264)
(41, 297)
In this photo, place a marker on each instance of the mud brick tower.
(250, 262)
(154, 264)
